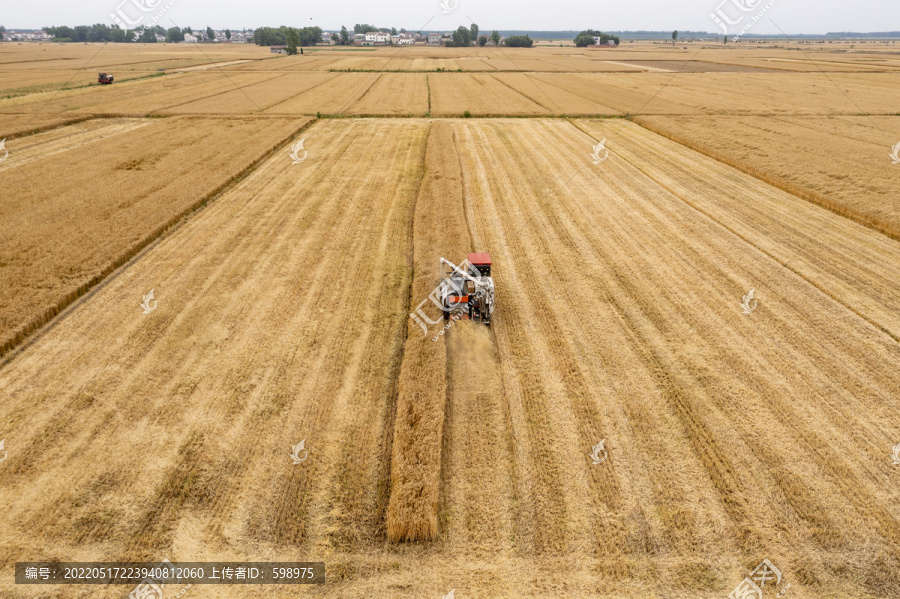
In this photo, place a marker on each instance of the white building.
(378, 37)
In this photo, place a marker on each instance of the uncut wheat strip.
(438, 229)
(858, 270)
(43, 145)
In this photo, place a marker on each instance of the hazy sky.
(793, 16)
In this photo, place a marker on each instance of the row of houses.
(27, 35)
(384, 38)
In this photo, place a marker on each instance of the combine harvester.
(468, 293)
(105, 79)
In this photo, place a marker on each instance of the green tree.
(210, 34)
(726, 40)
(335, 38)
(174, 35)
(461, 38)
(2, 31)
(586, 38)
(309, 36)
(130, 36)
(117, 34)
(482, 41)
(291, 38)
(187, 30)
(674, 36)
(228, 34)
(345, 36)
(268, 36)
(495, 37)
(148, 36)
(473, 31)
(393, 31)
(364, 28)
(583, 41)
(519, 41)
(81, 33)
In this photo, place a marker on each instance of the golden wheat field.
(693, 364)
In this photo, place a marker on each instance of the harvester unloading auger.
(468, 292)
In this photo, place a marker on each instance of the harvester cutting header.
(468, 292)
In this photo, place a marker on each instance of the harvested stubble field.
(89, 196)
(837, 162)
(461, 463)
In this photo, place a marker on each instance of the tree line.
(290, 37)
(586, 38)
(115, 34)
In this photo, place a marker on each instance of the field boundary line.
(51, 127)
(806, 195)
(52, 316)
(784, 264)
